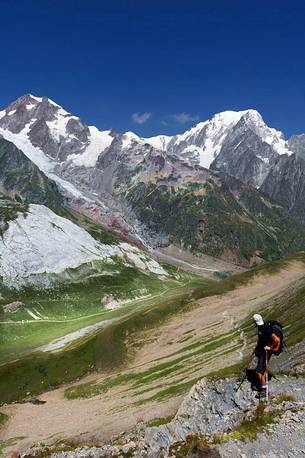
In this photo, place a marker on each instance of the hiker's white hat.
(258, 319)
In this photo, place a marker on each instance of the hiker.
(270, 341)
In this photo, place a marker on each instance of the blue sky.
(157, 66)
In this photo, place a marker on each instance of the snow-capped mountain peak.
(56, 140)
(50, 136)
(271, 136)
(159, 142)
(63, 137)
(129, 138)
(58, 134)
(204, 141)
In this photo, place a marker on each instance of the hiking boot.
(255, 388)
(261, 394)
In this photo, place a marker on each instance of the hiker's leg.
(261, 369)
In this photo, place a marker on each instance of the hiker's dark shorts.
(261, 362)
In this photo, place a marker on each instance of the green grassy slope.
(110, 348)
(175, 373)
(69, 307)
(36, 372)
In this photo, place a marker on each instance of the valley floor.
(203, 265)
(164, 362)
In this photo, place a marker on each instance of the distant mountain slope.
(285, 183)
(96, 170)
(21, 176)
(216, 215)
(242, 145)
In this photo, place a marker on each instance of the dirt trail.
(122, 406)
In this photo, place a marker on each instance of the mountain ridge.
(94, 169)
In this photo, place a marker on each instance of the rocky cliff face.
(296, 143)
(214, 409)
(285, 183)
(215, 420)
(245, 155)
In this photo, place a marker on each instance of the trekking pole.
(267, 377)
(240, 384)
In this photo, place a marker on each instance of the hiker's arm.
(275, 345)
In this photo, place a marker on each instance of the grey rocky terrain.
(245, 155)
(226, 422)
(285, 183)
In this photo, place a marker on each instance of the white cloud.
(141, 118)
(183, 118)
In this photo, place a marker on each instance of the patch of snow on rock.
(129, 138)
(22, 142)
(273, 137)
(99, 141)
(39, 99)
(43, 162)
(159, 142)
(58, 125)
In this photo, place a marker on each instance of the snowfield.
(42, 242)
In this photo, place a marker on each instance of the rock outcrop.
(12, 307)
(213, 411)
